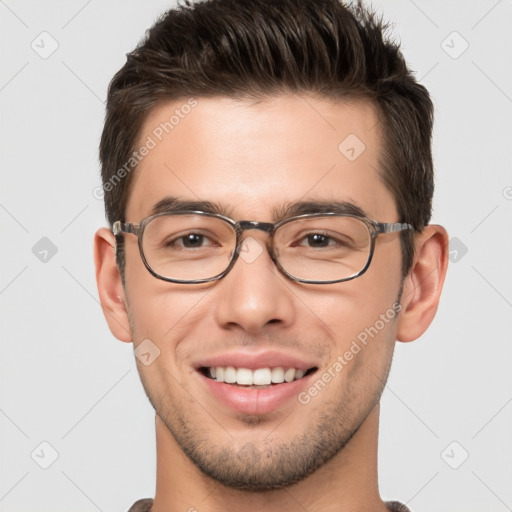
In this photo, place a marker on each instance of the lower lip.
(253, 400)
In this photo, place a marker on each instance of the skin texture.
(252, 158)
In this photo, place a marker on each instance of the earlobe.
(423, 284)
(110, 286)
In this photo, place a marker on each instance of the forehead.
(254, 157)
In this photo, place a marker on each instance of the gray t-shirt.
(145, 506)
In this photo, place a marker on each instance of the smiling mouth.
(258, 378)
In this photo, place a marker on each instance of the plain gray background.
(445, 441)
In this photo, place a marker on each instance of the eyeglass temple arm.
(124, 227)
(393, 227)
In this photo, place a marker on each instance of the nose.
(254, 296)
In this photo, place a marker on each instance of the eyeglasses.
(197, 247)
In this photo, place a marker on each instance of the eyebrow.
(172, 204)
(318, 206)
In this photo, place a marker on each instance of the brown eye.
(317, 240)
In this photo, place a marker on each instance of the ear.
(110, 286)
(423, 284)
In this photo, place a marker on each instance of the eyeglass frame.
(374, 229)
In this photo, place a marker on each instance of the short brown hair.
(259, 48)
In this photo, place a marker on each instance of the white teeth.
(262, 377)
(230, 375)
(258, 377)
(277, 375)
(244, 377)
(289, 374)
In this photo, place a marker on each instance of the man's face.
(254, 159)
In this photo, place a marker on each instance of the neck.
(347, 482)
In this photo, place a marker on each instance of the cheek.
(346, 310)
(163, 312)
(364, 360)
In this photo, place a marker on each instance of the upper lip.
(253, 361)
